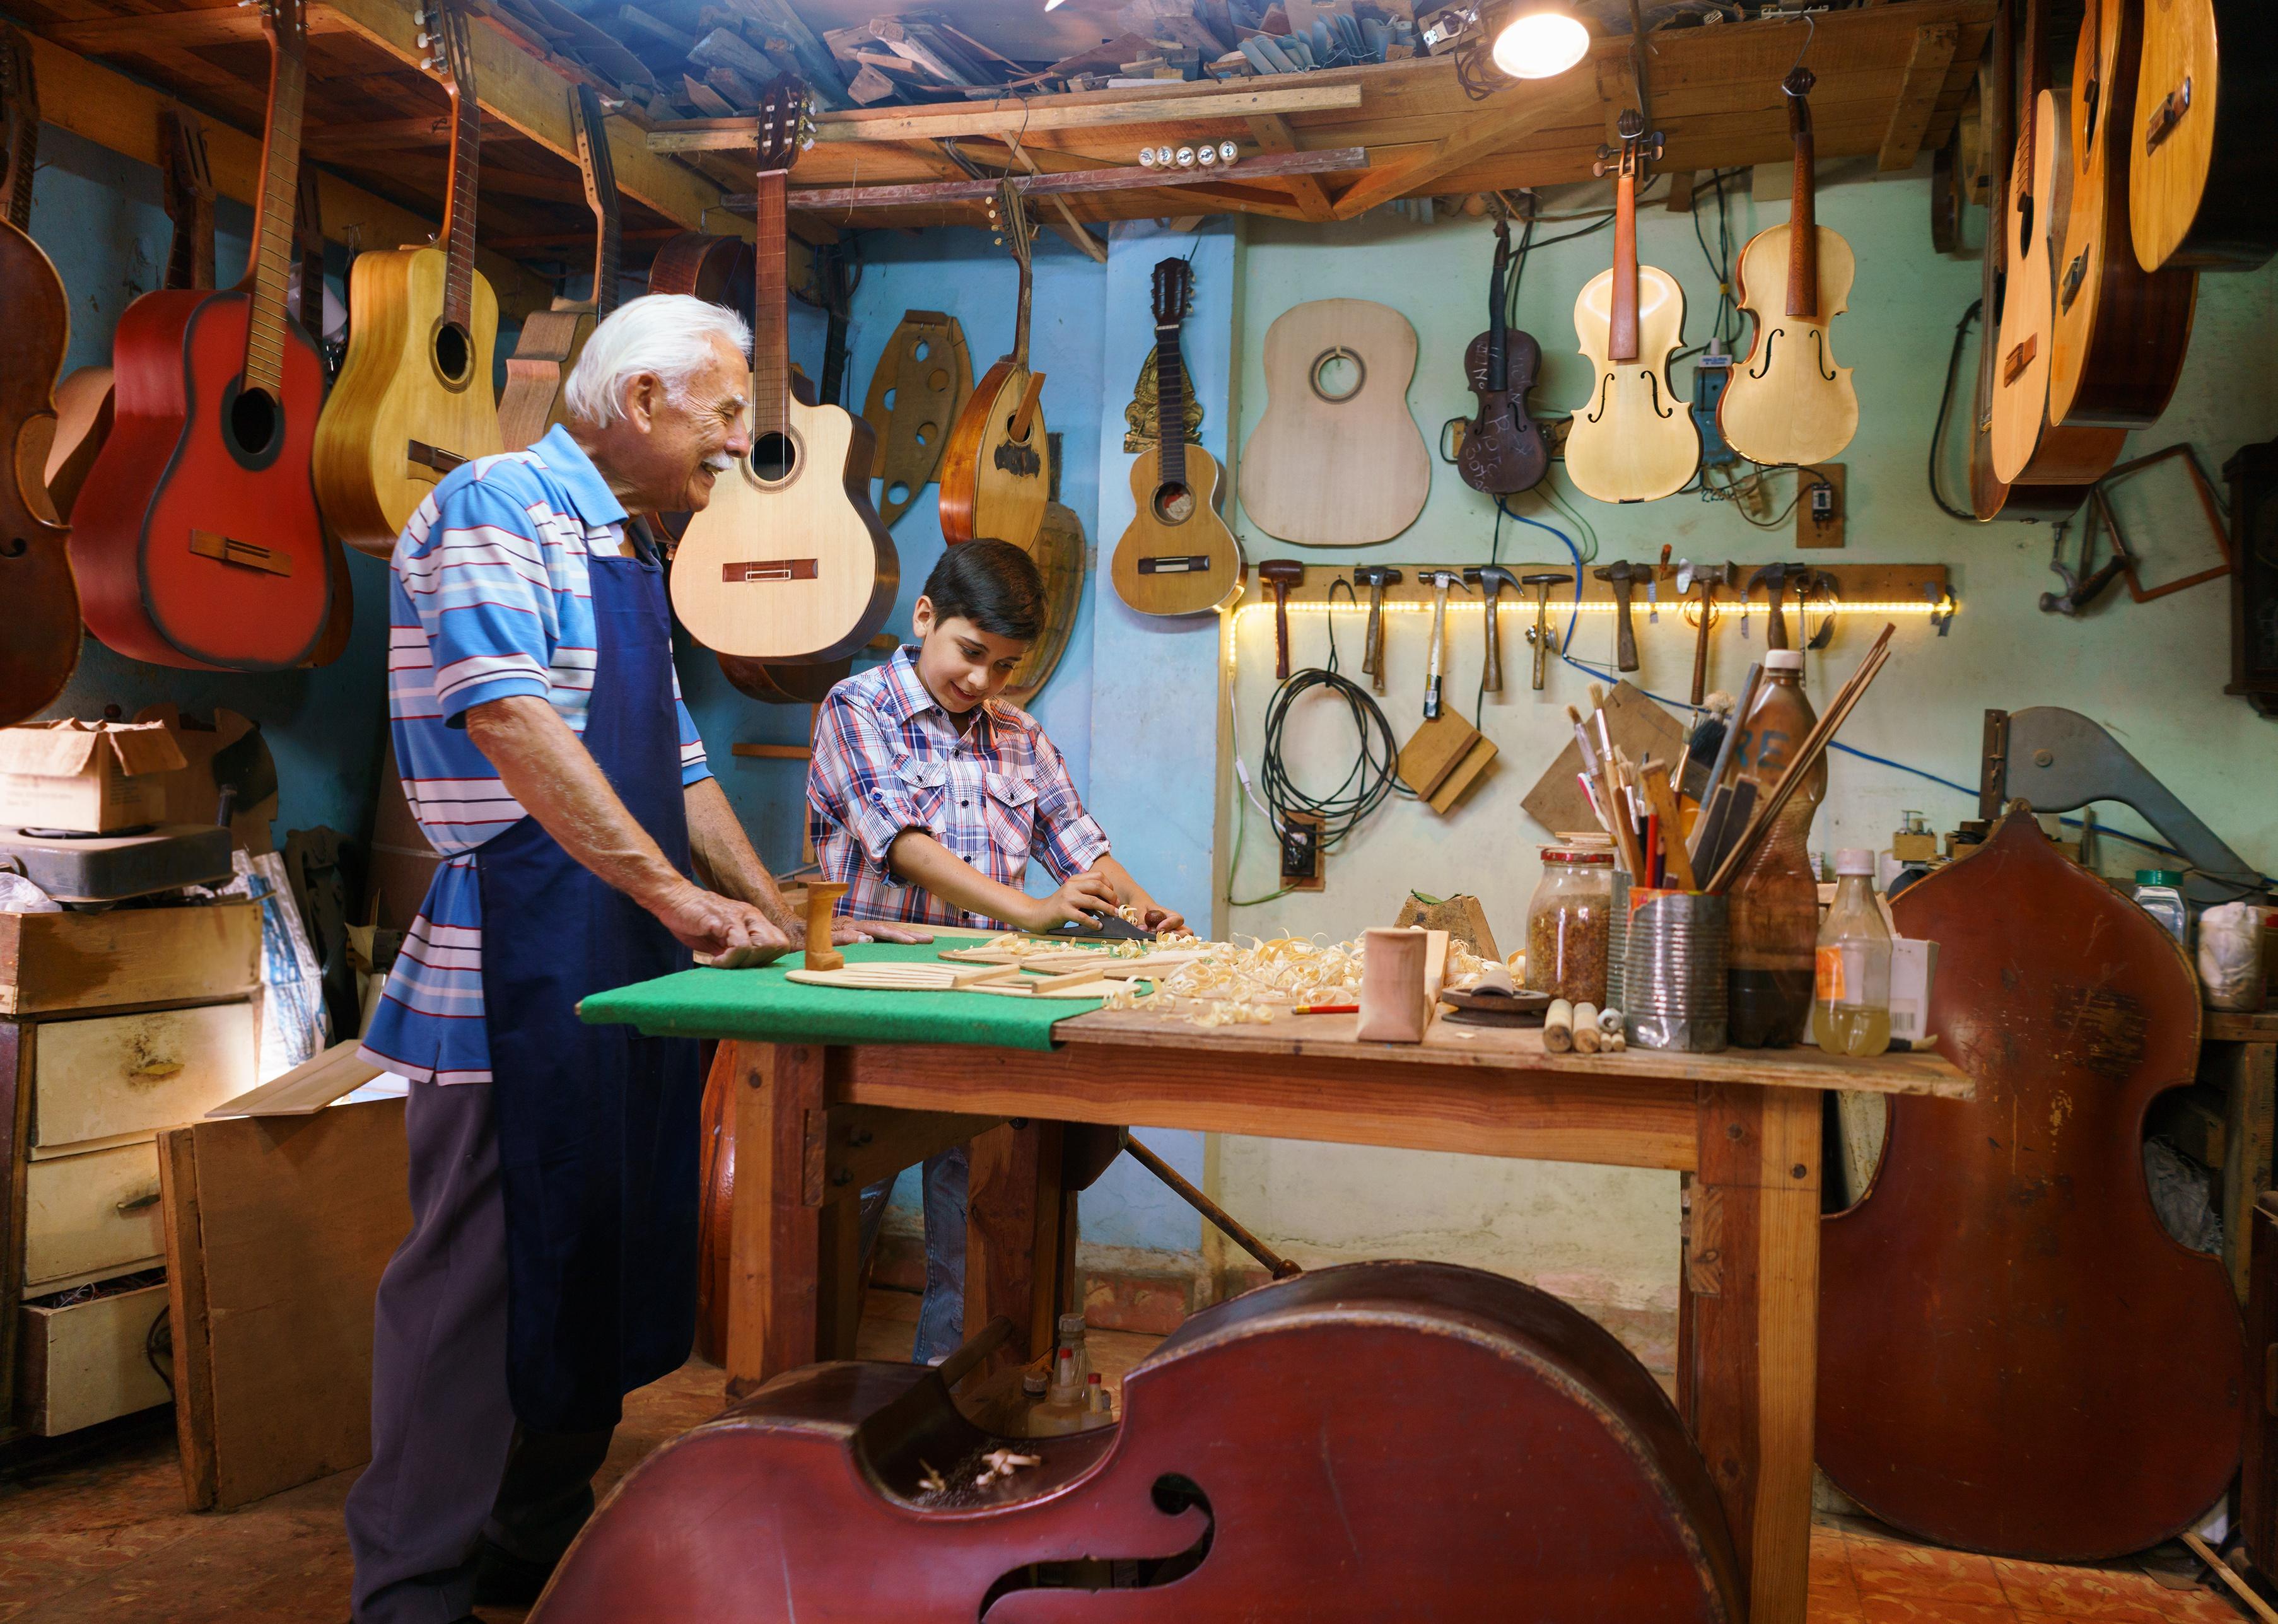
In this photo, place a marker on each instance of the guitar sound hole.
(455, 352)
(252, 422)
(1174, 505)
(773, 456)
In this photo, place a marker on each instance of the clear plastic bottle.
(1851, 992)
(2158, 893)
(1775, 897)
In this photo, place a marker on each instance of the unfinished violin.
(2015, 1357)
(1409, 1441)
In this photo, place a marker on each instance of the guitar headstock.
(786, 122)
(1174, 285)
(188, 175)
(443, 37)
(288, 23)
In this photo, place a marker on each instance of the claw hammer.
(1492, 579)
(1540, 634)
(1622, 576)
(1708, 578)
(1376, 578)
(1438, 581)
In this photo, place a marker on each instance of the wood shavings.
(933, 1482)
(1003, 1463)
(1255, 980)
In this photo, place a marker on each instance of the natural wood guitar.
(1788, 402)
(2040, 187)
(414, 400)
(2121, 332)
(1632, 439)
(41, 645)
(1176, 557)
(85, 400)
(553, 340)
(1336, 459)
(996, 467)
(196, 538)
(2203, 169)
(789, 562)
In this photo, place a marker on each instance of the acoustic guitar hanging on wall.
(1336, 460)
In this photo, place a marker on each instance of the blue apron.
(597, 1126)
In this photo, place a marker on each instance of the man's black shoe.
(505, 1579)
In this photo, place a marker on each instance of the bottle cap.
(1033, 1384)
(1784, 660)
(1855, 859)
(2159, 877)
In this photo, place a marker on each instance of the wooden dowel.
(1280, 1267)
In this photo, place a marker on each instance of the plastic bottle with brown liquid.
(1774, 900)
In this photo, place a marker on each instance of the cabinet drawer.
(110, 1076)
(91, 1215)
(85, 1363)
(127, 955)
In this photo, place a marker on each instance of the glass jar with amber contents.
(1568, 920)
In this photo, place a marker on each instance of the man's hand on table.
(845, 930)
(710, 924)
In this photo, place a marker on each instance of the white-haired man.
(551, 1267)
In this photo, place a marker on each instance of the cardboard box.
(86, 776)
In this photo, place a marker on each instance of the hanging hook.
(1811, 32)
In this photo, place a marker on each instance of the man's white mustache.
(719, 461)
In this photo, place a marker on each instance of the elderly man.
(551, 1267)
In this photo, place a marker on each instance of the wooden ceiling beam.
(1272, 134)
(1502, 120)
(1926, 65)
(142, 34)
(532, 98)
(122, 115)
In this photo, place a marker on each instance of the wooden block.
(87, 1363)
(50, 963)
(277, 1230)
(111, 1079)
(1434, 750)
(1465, 773)
(1637, 725)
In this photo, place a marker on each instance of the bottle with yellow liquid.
(1851, 985)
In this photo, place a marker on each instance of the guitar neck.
(189, 201)
(459, 204)
(1623, 318)
(1170, 406)
(274, 253)
(1803, 224)
(308, 226)
(601, 178)
(1020, 319)
(770, 312)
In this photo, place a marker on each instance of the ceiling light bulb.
(1541, 44)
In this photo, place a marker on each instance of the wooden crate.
(88, 1362)
(277, 1230)
(50, 963)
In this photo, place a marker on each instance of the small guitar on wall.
(1503, 451)
(1788, 402)
(997, 468)
(1177, 556)
(1632, 439)
(552, 341)
(196, 538)
(414, 398)
(789, 562)
(41, 644)
(2202, 187)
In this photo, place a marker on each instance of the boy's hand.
(844, 930)
(711, 924)
(1077, 901)
(1154, 916)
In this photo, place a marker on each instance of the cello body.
(1377, 1441)
(41, 648)
(2015, 1356)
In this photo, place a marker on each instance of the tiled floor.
(93, 1528)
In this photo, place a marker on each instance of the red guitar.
(197, 540)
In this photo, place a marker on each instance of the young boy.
(927, 797)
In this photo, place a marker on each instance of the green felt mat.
(764, 1005)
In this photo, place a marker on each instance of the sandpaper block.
(1443, 759)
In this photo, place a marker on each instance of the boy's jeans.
(941, 1316)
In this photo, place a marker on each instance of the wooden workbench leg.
(771, 1308)
(2247, 1073)
(1753, 1270)
(1012, 1236)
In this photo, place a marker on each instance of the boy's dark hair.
(992, 584)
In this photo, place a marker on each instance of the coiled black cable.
(1373, 778)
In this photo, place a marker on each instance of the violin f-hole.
(1820, 339)
(1605, 400)
(1173, 1494)
(1771, 338)
(1652, 376)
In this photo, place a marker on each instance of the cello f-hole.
(1770, 339)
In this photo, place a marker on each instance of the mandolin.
(551, 340)
(41, 645)
(996, 469)
(196, 539)
(1177, 556)
(413, 399)
(1632, 439)
(2121, 332)
(789, 562)
(1503, 451)
(1285, 1456)
(1788, 402)
(2015, 1355)
(2202, 174)
(85, 400)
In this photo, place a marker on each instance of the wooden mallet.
(819, 953)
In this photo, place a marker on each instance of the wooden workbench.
(814, 1124)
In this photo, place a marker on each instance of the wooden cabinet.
(110, 1079)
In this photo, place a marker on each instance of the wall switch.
(1819, 505)
(1301, 853)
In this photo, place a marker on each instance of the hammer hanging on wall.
(1376, 578)
(1438, 581)
(1279, 575)
(1492, 579)
(1622, 576)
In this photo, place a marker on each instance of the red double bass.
(1380, 1441)
(2015, 1357)
(197, 540)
